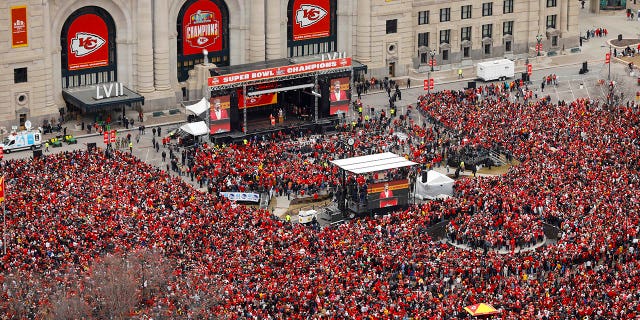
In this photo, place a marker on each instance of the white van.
(495, 70)
(22, 140)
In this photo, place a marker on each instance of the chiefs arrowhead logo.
(309, 14)
(85, 43)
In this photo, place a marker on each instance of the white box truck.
(495, 70)
(22, 140)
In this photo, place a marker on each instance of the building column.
(256, 31)
(161, 45)
(363, 31)
(50, 103)
(145, 48)
(563, 17)
(273, 41)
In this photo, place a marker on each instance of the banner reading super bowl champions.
(311, 19)
(88, 41)
(202, 28)
(219, 114)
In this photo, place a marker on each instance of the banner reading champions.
(202, 28)
(311, 19)
(19, 27)
(88, 41)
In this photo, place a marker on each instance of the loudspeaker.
(91, 146)
(525, 76)
(424, 176)
(37, 153)
(471, 85)
(620, 37)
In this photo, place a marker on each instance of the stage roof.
(84, 97)
(373, 162)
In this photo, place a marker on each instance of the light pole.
(539, 39)
(609, 75)
(432, 53)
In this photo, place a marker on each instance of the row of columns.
(153, 51)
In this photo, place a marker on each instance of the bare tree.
(65, 306)
(112, 287)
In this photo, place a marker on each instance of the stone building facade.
(46, 46)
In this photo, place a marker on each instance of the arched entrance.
(311, 28)
(202, 25)
(88, 42)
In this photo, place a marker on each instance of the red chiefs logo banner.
(202, 26)
(256, 101)
(311, 19)
(19, 27)
(88, 41)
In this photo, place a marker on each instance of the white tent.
(199, 128)
(437, 186)
(199, 107)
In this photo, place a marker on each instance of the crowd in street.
(577, 169)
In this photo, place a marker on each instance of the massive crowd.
(578, 169)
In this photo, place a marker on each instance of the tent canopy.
(437, 178)
(196, 128)
(199, 107)
(373, 162)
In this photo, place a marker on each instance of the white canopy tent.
(438, 185)
(196, 129)
(199, 107)
(373, 162)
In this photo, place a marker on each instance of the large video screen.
(387, 194)
(339, 96)
(219, 114)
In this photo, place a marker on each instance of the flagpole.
(4, 228)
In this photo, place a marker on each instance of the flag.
(2, 189)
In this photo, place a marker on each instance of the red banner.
(201, 28)
(280, 71)
(106, 137)
(88, 41)
(256, 101)
(529, 69)
(311, 21)
(339, 96)
(19, 27)
(428, 84)
(113, 136)
(607, 57)
(219, 114)
(2, 189)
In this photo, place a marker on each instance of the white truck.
(495, 70)
(22, 140)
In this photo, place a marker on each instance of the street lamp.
(539, 39)
(432, 53)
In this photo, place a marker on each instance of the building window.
(487, 48)
(423, 17)
(465, 33)
(554, 41)
(445, 36)
(487, 9)
(551, 21)
(507, 28)
(465, 52)
(392, 26)
(19, 75)
(507, 46)
(487, 30)
(445, 14)
(423, 39)
(508, 6)
(551, 3)
(445, 54)
(466, 12)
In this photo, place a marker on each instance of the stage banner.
(264, 74)
(387, 194)
(202, 28)
(19, 27)
(311, 21)
(219, 114)
(88, 41)
(256, 101)
(241, 196)
(339, 96)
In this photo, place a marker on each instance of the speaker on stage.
(471, 85)
(91, 146)
(424, 176)
(37, 153)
